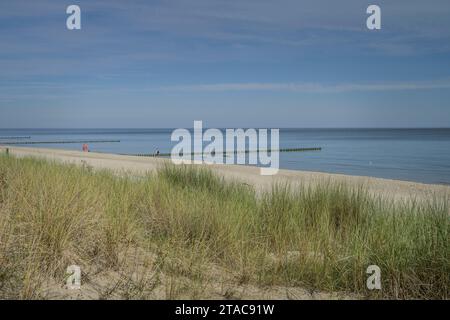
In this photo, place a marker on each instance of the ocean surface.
(421, 155)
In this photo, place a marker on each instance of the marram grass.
(188, 219)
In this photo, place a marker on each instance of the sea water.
(421, 155)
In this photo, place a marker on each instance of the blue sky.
(248, 63)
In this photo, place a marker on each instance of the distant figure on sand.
(156, 153)
(85, 148)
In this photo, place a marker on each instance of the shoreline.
(386, 188)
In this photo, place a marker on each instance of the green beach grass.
(182, 230)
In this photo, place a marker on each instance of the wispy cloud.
(130, 56)
(307, 87)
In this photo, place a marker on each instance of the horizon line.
(229, 127)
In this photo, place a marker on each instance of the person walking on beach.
(85, 147)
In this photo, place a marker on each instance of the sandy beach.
(184, 234)
(386, 188)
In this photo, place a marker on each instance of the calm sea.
(407, 154)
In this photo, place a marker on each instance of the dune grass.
(186, 222)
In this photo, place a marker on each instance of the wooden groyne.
(58, 142)
(225, 153)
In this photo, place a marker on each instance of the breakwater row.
(235, 152)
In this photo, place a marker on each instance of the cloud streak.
(307, 87)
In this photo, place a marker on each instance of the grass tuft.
(187, 224)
